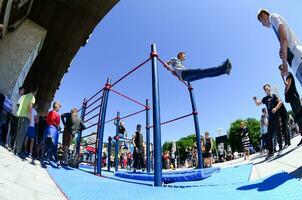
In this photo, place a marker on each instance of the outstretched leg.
(196, 74)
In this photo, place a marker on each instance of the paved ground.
(289, 160)
(25, 179)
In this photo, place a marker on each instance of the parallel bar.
(96, 115)
(117, 141)
(122, 95)
(95, 95)
(134, 69)
(148, 136)
(124, 117)
(172, 120)
(196, 124)
(92, 110)
(92, 125)
(94, 102)
(101, 127)
(156, 120)
(135, 113)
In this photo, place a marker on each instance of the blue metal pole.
(109, 152)
(117, 140)
(148, 135)
(101, 126)
(196, 124)
(156, 119)
(83, 111)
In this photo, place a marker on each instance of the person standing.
(24, 118)
(207, 153)
(292, 96)
(245, 140)
(290, 47)
(273, 103)
(72, 123)
(263, 129)
(31, 132)
(14, 120)
(189, 75)
(51, 135)
(138, 153)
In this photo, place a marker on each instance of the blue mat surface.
(171, 177)
(230, 183)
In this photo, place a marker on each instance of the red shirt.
(53, 118)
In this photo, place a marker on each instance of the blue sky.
(208, 31)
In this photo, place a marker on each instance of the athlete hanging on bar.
(199, 73)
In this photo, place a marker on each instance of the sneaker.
(58, 165)
(300, 143)
(269, 155)
(228, 66)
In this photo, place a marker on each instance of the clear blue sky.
(208, 31)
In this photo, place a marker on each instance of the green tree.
(234, 135)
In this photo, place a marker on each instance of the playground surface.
(276, 178)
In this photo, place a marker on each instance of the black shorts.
(206, 155)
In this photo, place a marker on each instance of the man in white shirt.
(290, 47)
(190, 75)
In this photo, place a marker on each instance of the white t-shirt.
(33, 114)
(177, 66)
(293, 42)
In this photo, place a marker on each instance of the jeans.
(295, 103)
(51, 149)
(273, 127)
(13, 130)
(23, 124)
(285, 129)
(196, 74)
(299, 73)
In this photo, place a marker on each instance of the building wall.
(18, 51)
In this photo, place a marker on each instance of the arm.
(274, 110)
(283, 46)
(63, 117)
(257, 102)
(30, 107)
(288, 83)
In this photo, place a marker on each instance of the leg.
(13, 130)
(196, 74)
(25, 144)
(31, 147)
(22, 129)
(270, 137)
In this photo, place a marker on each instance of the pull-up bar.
(156, 114)
(122, 95)
(173, 120)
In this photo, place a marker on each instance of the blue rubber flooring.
(230, 183)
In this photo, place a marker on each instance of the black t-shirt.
(138, 140)
(292, 90)
(121, 130)
(271, 102)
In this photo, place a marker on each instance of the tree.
(234, 135)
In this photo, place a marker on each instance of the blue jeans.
(299, 73)
(196, 74)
